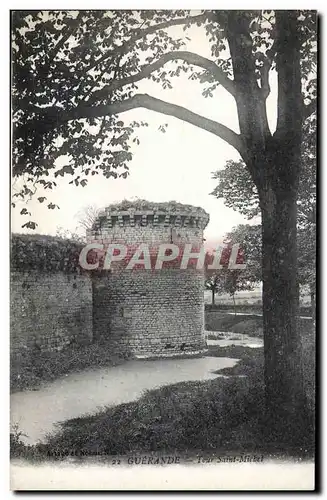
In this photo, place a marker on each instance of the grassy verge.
(251, 362)
(222, 414)
(30, 371)
(255, 307)
(220, 321)
(248, 324)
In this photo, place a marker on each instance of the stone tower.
(150, 312)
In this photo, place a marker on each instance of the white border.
(4, 82)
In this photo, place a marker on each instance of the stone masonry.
(148, 312)
(49, 311)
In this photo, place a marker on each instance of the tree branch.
(64, 36)
(163, 107)
(148, 69)
(54, 117)
(93, 96)
(148, 31)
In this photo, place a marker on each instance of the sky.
(176, 165)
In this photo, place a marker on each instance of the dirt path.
(36, 412)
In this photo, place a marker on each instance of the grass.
(250, 325)
(30, 371)
(244, 306)
(184, 416)
(238, 352)
(223, 414)
(222, 322)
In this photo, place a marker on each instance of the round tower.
(155, 311)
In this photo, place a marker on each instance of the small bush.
(17, 445)
(216, 336)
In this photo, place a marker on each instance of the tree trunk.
(273, 161)
(313, 303)
(212, 296)
(234, 304)
(285, 397)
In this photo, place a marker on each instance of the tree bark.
(313, 303)
(213, 297)
(234, 304)
(285, 397)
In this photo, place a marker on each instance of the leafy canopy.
(75, 72)
(237, 189)
(239, 192)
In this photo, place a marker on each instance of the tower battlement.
(134, 214)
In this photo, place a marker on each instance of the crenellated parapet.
(173, 215)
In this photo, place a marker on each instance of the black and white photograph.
(163, 249)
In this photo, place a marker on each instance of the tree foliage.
(75, 72)
(249, 239)
(237, 189)
(239, 192)
(230, 281)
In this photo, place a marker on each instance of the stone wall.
(49, 310)
(141, 312)
(149, 312)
